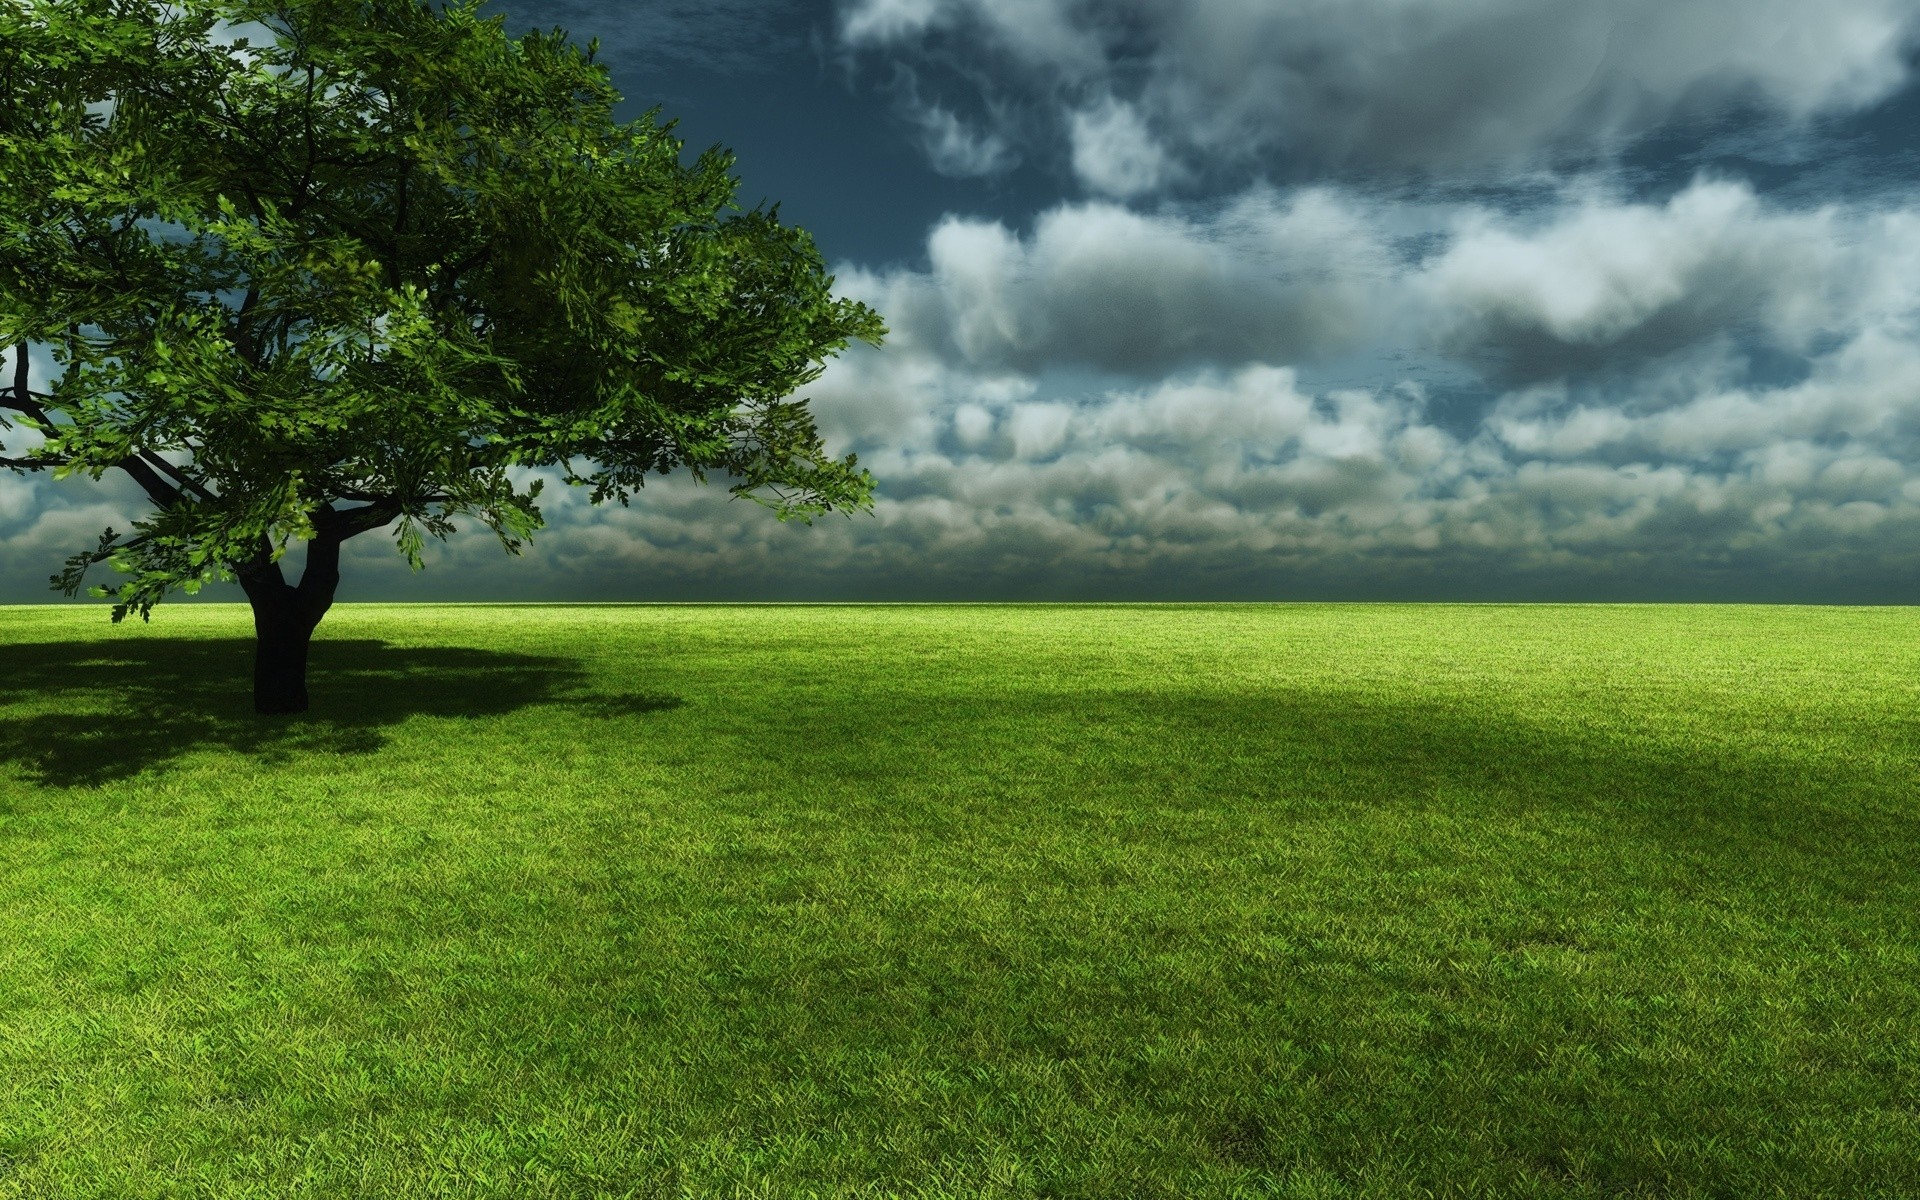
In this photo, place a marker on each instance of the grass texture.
(1304, 901)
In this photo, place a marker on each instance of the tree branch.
(31, 395)
(22, 369)
(466, 264)
(185, 480)
(158, 489)
(340, 524)
(243, 327)
(139, 465)
(372, 498)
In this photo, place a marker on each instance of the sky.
(1280, 300)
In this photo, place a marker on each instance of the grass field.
(1160, 901)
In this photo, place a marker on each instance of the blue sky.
(1284, 299)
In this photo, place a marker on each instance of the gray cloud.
(1432, 85)
(1113, 152)
(955, 147)
(1113, 289)
(1195, 457)
(1603, 285)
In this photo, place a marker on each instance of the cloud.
(957, 149)
(1683, 465)
(44, 521)
(1116, 403)
(1113, 151)
(1101, 286)
(1398, 85)
(1606, 285)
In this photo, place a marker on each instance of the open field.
(1141, 901)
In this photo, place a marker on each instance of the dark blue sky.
(817, 130)
(1608, 299)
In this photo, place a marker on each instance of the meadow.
(964, 901)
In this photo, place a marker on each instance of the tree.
(360, 274)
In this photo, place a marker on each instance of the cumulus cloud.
(1111, 402)
(1433, 85)
(1223, 464)
(1607, 284)
(1106, 287)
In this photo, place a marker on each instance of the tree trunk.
(284, 618)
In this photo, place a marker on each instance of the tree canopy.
(382, 259)
(363, 272)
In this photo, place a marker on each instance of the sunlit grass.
(1163, 901)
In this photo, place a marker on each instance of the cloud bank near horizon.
(1394, 323)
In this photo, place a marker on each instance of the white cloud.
(1609, 285)
(1113, 151)
(885, 20)
(1679, 458)
(1103, 286)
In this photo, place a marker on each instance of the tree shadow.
(638, 958)
(100, 711)
(1742, 799)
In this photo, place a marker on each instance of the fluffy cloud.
(1606, 285)
(1105, 287)
(1115, 403)
(1224, 467)
(1423, 84)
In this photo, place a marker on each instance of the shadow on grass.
(1047, 906)
(99, 712)
(1108, 861)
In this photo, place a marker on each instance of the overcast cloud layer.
(1335, 299)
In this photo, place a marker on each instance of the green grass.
(1101, 901)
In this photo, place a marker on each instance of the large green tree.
(352, 276)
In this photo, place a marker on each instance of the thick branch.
(338, 525)
(185, 480)
(158, 489)
(23, 401)
(243, 328)
(6, 400)
(453, 273)
(260, 571)
(141, 465)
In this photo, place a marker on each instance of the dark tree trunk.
(284, 618)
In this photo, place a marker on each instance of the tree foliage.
(369, 270)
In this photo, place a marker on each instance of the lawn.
(964, 901)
